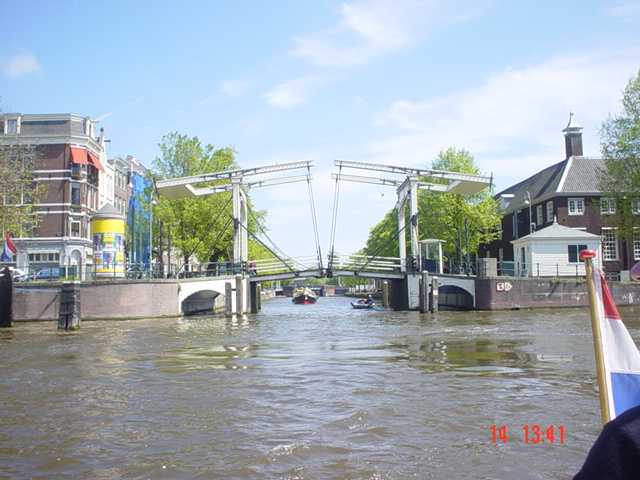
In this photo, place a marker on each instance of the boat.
(304, 296)
(363, 303)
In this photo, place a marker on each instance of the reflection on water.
(300, 392)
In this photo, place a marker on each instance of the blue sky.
(380, 81)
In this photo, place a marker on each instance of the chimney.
(573, 138)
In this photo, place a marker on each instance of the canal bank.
(507, 293)
(127, 299)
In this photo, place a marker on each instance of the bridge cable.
(210, 227)
(387, 243)
(313, 218)
(272, 252)
(334, 222)
(276, 248)
(376, 241)
(222, 231)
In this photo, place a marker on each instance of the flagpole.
(587, 255)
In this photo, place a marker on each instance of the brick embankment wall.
(99, 300)
(503, 293)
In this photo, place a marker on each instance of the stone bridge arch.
(202, 294)
(202, 301)
(456, 292)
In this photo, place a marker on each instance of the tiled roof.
(582, 176)
(560, 231)
(572, 176)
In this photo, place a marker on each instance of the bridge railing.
(275, 265)
(364, 262)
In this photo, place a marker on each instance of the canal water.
(302, 392)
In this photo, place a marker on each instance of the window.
(549, 211)
(609, 244)
(75, 228)
(75, 194)
(576, 206)
(607, 206)
(635, 207)
(539, 215)
(636, 245)
(574, 251)
(11, 126)
(44, 257)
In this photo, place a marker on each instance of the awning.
(78, 155)
(96, 161)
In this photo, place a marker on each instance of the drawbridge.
(281, 267)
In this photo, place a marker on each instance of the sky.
(391, 82)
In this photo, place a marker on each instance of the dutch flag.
(9, 250)
(620, 354)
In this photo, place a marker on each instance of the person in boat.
(365, 301)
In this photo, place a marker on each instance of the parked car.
(19, 275)
(47, 273)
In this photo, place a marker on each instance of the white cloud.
(293, 93)
(233, 88)
(21, 65)
(371, 28)
(514, 118)
(102, 117)
(137, 100)
(628, 11)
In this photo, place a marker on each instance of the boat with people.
(304, 296)
(364, 303)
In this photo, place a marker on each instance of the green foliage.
(452, 217)
(383, 237)
(444, 216)
(200, 226)
(19, 189)
(620, 146)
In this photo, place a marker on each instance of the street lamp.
(528, 202)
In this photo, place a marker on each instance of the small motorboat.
(304, 296)
(363, 303)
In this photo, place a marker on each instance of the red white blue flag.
(620, 354)
(9, 250)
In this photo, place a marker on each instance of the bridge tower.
(239, 186)
(240, 216)
(407, 191)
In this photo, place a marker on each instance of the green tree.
(200, 226)
(445, 216)
(458, 219)
(383, 237)
(620, 147)
(19, 188)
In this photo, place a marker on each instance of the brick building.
(567, 194)
(70, 159)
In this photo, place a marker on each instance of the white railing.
(272, 266)
(366, 263)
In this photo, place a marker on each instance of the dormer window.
(11, 125)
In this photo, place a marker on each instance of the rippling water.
(301, 392)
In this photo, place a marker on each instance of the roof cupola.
(573, 138)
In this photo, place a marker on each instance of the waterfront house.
(565, 194)
(69, 159)
(554, 252)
